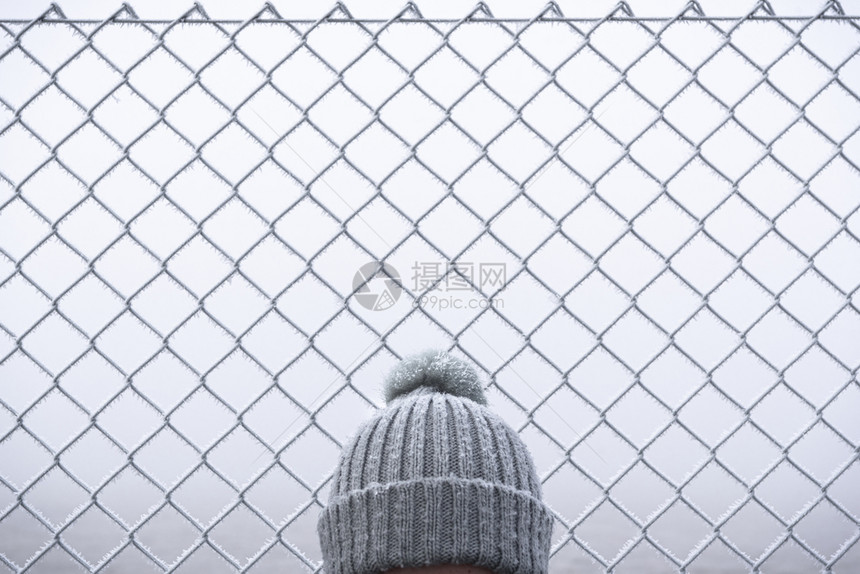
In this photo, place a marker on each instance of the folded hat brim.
(434, 521)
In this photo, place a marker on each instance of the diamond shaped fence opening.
(217, 236)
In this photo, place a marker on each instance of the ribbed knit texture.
(434, 479)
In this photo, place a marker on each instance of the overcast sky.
(385, 8)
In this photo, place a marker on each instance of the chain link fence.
(644, 231)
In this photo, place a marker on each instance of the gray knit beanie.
(435, 478)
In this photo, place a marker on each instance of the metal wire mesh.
(650, 225)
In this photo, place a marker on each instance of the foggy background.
(160, 308)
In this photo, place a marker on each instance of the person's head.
(436, 483)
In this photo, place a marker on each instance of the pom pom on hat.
(437, 370)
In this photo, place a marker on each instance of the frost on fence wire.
(670, 207)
